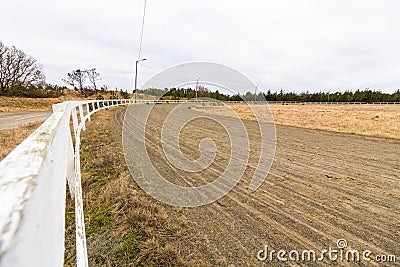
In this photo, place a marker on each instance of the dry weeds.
(372, 120)
(124, 226)
(21, 104)
(10, 138)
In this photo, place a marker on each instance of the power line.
(150, 67)
(141, 35)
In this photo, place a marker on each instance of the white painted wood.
(33, 199)
(82, 116)
(74, 120)
(70, 166)
(33, 191)
(88, 112)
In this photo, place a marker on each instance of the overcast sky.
(295, 45)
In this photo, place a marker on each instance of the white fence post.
(82, 116)
(74, 120)
(88, 110)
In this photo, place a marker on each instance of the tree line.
(22, 75)
(185, 93)
(366, 95)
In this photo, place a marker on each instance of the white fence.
(33, 187)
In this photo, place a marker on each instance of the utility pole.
(197, 84)
(137, 61)
(255, 94)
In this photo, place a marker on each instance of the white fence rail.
(33, 187)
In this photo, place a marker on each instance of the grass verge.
(124, 226)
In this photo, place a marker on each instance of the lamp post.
(137, 61)
(197, 84)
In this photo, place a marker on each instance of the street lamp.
(137, 61)
(197, 84)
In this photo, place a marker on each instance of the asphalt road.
(15, 119)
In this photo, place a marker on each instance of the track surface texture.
(323, 186)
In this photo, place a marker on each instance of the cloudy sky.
(295, 45)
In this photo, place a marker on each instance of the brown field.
(23, 104)
(10, 138)
(373, 120)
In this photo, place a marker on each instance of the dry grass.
(10, 138)
(373, 120)
(124, 226)
(21, 104)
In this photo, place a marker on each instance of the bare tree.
(93, 77)
(18, 69)
(3, 51)
(77, 80)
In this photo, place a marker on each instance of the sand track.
(322, 186)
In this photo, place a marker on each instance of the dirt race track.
(323, 186)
